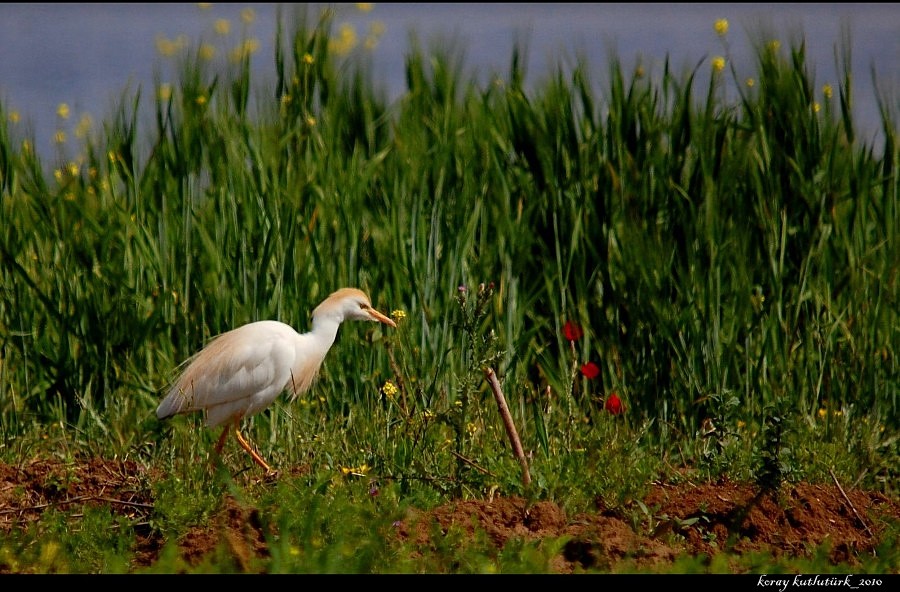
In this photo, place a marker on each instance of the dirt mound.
(673, 519)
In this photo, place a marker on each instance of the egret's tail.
(177, 401)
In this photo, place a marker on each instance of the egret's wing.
(239, 365)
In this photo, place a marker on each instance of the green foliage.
(95, 541)
(732, 264)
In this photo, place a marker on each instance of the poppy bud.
(590, 370)
(572, 331)
(613, 404)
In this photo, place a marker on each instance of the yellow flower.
(73, 169)
(823, 413)
(398, 315)
(389, 389)
(207, 51)
(364, 6)
(201, 100)
(774, 45)
(165, 91)
(816, 107)
(222, 26)
(26, 146)
(164, 46)
(57, 174)
(360, 470)
(84, 126)
(248, 15)
(827, 91)
(718, 63)
(59, 137)
(741, 424)
(249, 46)
(471, 428)
(63, 111)
(308, 59)
(750, 82)
(311, 121)
(14, 117)
(721, 27)
(376, 30)
(345, 41)
(428, 415)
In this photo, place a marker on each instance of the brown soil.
(687, 518)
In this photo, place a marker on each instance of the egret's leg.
(246, 446)
(217, 457)
(221, 441)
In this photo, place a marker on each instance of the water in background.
(86, 55)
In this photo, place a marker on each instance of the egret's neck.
(324, 331)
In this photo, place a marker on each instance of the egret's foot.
(269, 478)
(251, 451)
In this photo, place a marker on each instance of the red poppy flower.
(613, 404)
(572, 331)
(590, 370)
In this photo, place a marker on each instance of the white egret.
(240, 373)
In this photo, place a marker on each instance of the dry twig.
(508, 422)
(72, 500)
(849, 503)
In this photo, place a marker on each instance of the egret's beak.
(377, 316)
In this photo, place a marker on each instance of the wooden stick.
(472, 463)
(73, 500)
(508, 423)
(858, 517)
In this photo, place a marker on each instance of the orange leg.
(217, 457)
(221, 441)
(246, 446)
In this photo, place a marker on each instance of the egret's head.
(353, 304)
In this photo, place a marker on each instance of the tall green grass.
(731, 257)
